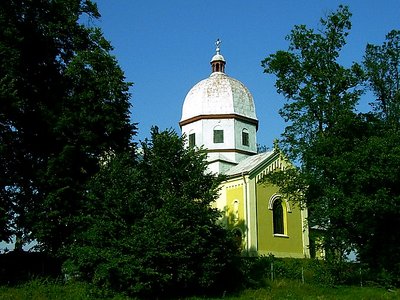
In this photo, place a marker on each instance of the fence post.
(272, 271)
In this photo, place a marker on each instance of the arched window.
(278, 220)
(235, 210)
(218, 135)
(245, 137)
(280, 208)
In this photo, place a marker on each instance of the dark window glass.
(218, 136)
(245, 138)
(192, 140)
(277, 212)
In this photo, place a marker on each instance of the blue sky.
(164, 48)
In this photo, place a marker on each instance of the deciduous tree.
(382, 65)
(321, 98)
(64, 105)
(347, 162)
(149, 228)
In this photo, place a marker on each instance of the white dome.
(216, 95)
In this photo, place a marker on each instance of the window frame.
(245, 138)
(218, 136)
(286, 209)
(278, 218)
(192, 139)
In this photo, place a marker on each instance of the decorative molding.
(220, 116)
(232, 186)
(277, 164)
(278, 196)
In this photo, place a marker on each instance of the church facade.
(219, 114)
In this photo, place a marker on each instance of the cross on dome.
(217, 44)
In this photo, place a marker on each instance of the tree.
(149, 228)
(319, 90)
(347, 162)
(381, 246)
(382, 65)
(64, 105)
(321, 97)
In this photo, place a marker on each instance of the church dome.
(216, 95)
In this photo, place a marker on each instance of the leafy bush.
(149, 228)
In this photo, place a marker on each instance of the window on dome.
(218, 136)
(192, 140)
(245, 137)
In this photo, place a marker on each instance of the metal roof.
(249, 164)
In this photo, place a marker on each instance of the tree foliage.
(382, 65)
(64, 105)
(149, 228)
(347, 162)
(321, 97)
(319, 91)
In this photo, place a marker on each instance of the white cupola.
(219, 114)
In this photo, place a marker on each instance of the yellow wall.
(290, 245)
(255, 220)
(235, 213)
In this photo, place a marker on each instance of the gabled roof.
(250, 164)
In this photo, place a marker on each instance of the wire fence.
(312, 271)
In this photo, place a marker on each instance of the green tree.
(381, 245)
(346, 163)
(64, 105)
(321, 98)
(149, 228)
(319, 91)
(382, 65)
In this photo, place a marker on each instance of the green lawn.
(294, 290)
(41, 290)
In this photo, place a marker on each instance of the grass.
(279, 289)
(43, 290)
(284, 289)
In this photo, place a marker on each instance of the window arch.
(285, 202)
(218, 135)
(245, 137)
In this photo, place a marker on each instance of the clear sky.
(164, 48)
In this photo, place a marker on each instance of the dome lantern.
(218, 61)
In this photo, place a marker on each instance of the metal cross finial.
(217, 43)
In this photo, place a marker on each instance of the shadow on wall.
(237, 226)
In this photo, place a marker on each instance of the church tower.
(219, 114)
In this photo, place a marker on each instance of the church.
(219, 114)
